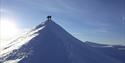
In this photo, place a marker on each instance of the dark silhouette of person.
(49, 17)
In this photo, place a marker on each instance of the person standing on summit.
(49, 17)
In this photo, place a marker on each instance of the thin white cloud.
(101, 30)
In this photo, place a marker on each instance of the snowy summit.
(52, 44)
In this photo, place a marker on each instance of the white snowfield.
(50, 43)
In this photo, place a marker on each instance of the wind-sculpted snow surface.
(52, 44)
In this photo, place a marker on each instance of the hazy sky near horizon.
(101, 21)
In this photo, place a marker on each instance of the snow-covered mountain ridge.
(50, 43)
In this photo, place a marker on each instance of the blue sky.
(101, 21)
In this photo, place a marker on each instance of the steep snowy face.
(52, 44)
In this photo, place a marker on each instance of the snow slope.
(52, 44)
(115, 51)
